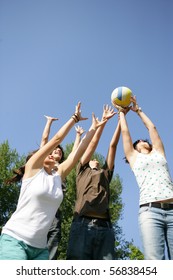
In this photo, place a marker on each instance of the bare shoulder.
(132, 158)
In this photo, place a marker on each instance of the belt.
(97, 222)
(165, 206)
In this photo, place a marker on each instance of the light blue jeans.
(156, 228)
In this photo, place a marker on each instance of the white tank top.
(39, 199)
(153, 177)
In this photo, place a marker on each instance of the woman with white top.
(149, 165)
(24, 236)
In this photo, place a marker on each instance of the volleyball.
(121, 96)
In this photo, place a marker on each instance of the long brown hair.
(18, 173)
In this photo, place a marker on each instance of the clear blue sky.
(54, 53)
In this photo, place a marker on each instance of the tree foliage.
(9, 160)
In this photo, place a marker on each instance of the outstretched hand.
(125, 110)
(135, 106)
(79, 130)
(78, 112)
(108, 112)
(96, 123)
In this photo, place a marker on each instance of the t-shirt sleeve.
(80, 168)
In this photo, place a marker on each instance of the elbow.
(152, 127)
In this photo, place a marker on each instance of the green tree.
(9, 160)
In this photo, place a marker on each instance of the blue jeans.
(14, 249)
(156, 227)
(90, 242)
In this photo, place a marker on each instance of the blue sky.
(54, 53)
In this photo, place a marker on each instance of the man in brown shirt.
(92, 236)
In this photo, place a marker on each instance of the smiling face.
(57, 154)
(52, 161)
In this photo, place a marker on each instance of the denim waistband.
(98, 222)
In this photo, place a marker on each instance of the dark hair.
(63, 157)
(20, 171)
(135, 144)
(144, 140)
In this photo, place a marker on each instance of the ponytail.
(20, 171)
(18, 175)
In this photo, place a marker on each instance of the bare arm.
(66, 166)
(129, 151)
(36, 161)
(153, 133)
(46, 131)
(113, 147)
(108, 113)
(79, 132)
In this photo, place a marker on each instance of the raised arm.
(36, 161)
(108, 113)
(66, 166)
(153, 133)
(46, 131)
(113, 147)
(129, 151)
(79, 132)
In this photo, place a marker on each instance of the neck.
(48, 169)
(144, 151)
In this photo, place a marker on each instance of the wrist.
(93, 127)
(120, 111)
(138, 109)
(75, 117)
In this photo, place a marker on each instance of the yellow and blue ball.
(121, 96)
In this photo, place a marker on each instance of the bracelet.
(139, 109)
(75, 118)
(76, 115)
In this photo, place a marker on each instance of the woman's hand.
(79, 130)
(77, 113)
(135, 106)
(96, 123)
(108, 112)
(125, 110)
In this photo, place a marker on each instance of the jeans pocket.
(76, 228)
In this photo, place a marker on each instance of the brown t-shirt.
(92, 187)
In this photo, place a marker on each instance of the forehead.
(58, 148)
